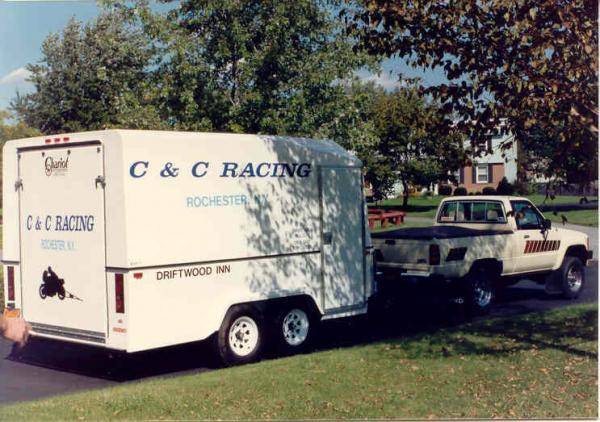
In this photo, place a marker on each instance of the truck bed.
(436, 232)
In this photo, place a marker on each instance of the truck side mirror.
(547, 224)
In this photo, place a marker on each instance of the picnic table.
(384, 217)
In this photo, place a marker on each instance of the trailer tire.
(294, 328)
(241, 336)
(572, 274)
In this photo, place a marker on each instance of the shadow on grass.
(417, 327)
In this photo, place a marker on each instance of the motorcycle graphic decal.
(53, 285)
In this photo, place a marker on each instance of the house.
(489, 168)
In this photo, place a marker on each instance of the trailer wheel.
(294, 328)
(572, 274)
(240, 338)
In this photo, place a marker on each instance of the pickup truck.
(479, 244)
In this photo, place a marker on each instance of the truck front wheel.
(572, 275)
(240, 338)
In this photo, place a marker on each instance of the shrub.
(445, 190)
(460, 191)
(523, 188)
(505, 188)
(488, 190)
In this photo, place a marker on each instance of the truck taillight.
(434, 254)
(119, 294)
(11, 283)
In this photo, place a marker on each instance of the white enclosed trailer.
(135, 240)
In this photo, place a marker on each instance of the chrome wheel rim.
(243, 336)
(482, 293)
(295, 327)
(574, 279)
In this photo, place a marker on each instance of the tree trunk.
(404, 194)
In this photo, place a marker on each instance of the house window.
(482, 173)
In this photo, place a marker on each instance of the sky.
(24, 24)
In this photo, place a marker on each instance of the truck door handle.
(327, 237)
(526, 236)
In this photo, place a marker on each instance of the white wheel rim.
(295, 327)
(482, 293)
(574, 279)
(243, 336)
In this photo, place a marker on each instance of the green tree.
(534, 63)
(253, 66)
(10, 131)
(412, 149)
(92, 76)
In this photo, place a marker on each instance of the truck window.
(472, 212)
(448, 212)
(526, 215)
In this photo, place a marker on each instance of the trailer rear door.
(61, 212)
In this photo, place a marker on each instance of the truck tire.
(294, 328)
(241, 336)
(480, 284)
(572, 276)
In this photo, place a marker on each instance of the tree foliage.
(249, 65)
(534, 63)
(10, 131)
(412, 149)
(92, 76)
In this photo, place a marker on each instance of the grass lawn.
(581, 217)
(532, 366)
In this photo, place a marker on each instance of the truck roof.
(485, 198)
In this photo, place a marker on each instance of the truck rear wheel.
(480, 283)
(572, 273)
(240, 338)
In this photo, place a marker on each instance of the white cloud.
(15, 78)
(385, 79)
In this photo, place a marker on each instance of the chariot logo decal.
(56, 166)
(53, 285)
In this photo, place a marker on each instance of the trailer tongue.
(61, 209)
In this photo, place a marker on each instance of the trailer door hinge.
(19, 184)
(100, 180)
